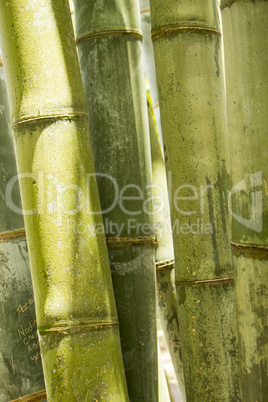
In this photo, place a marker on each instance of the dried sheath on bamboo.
(75, 308)
(187, 44)
(109, 47)
(20, 363)
(246, 65)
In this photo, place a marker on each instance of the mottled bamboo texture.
(109, 47)
(187, 45)
(165, 268)
(246, 64)
(75, 308)
(20, 363)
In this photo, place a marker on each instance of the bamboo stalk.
(187, 45)
(163, 390)
(75, 309)
(149, 61)
(165, 273)
(109, 47)
(20, 363)
(165, 266)
(245, 45)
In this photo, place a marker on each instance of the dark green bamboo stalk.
(20, 364)
(187, 45)
(109, 48)
(246, 64)
(75, 308)
(165, 269)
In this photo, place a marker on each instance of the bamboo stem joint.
(131, 241)
(111, 32)
(170, 30)
(71, 115)
(249, 251)
(207, 282)
(13, 235)
(163, 265)
(73, 328)
(36, 397)
(228, 4)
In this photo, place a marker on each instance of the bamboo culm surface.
(246, 65)
(165, 267)
(149, 60)
(187, 46)
(75, 308)
(20, 363)
(109, 47)
(165, 273)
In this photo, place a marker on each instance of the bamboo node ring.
(249, 251)
(164, 265)
(53, 116)
(35, 397)
(227, 4)
(131, 32)
(12, 235)
(207, 282)
(71, 328)
(145, 10)
(131, 241)
(170, 30)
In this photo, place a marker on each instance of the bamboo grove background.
(80, 122)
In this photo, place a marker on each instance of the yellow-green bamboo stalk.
(20, 364)
(187, 45)
(109, 47)
(246, 64)
(165, 268)
(76, 314)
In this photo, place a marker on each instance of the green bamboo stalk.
(20, 363)
(167, 299)
(109, 48)
(149, 61)
(165, 268)
(187, 45)
(245, 44)
(75, 308)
